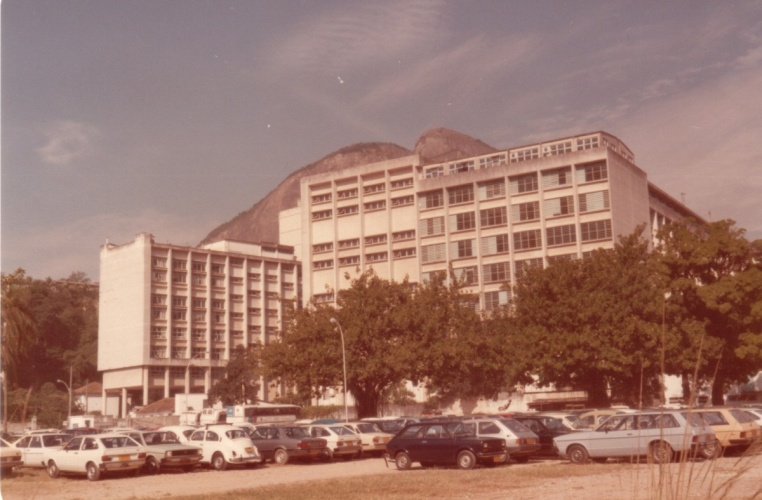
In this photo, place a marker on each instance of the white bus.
(262, 413)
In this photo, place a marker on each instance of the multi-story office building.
(489, 216)
(170, 316)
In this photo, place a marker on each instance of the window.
(461, 249)
(321, 198)
(460, 194)
(349, 261)
(436, 171)
(198, 266)
(375, 205)
(198, 334)
(587, 143)
(377, 257)
(353, 243)
(218, 335)
(462, 222)
(322, 247)
(403, 253)
(159, 276)
(431, 227)
(433, 253)
(493, 217)
(403, 235)
(592, 172)
(403, 201)
(525, 212)
(598, 230)
(523, 184)
(462, 166)
(557, 149)
(495, 244)
(321, 298)
(375, 188)
(159, 262)
(492, 161)
(496, 273)
(351, 209)
(322, 264)
(525, 154)
(178, 315)
(198, 279)
(322, 214)
(375, 239)
(159, 300)
(236, 315)
(561, 235)
(178, 264)
(178, 353)
(347, 193)
(199, 316)
(402, 183)
(467, 275)
(178, 277)
(158, 314)
(179, 301)
(552, 259)
(159, 352)
(527, 240)
(255, 311)
(590, 202)
(556, 178)
(492, 189)
(523, 265)
(255, 277)
(432, 199)
(495, 300)
(158, 332)
(557, 207)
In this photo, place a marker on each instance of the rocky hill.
(259, 223)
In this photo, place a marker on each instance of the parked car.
(546, 428)
(164, 451)
(735, 429)
(447, 442)
(10, 457)
(520, 442)
(569, 420)
(283, 443)
(95, 455)
(656, 434)
(391, 425)
(373, 438)
(181, 432)
(341, 441)
(593, 418)
(224, 444)
(34, 446)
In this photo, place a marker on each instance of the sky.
(173, 116)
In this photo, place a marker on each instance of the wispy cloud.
(66, 142)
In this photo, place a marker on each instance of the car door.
(68, 458)
(197, 439)
(265, 439)
(619, 437)
(23, 446)
(33, 453)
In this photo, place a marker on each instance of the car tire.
(151, 466)
(660, 453)
(53, 470)
(466, 460)
(219, 462)
(327, 456)
(402, 461)
(93, 471)
(522, 459)
(280, 457)
(712, 451)
(577, 454)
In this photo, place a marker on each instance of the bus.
(262, 413)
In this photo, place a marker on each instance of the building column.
(123, 411)
(145, 387)
(166, 382)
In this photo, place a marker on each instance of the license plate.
(124, 458)
(532, 441)
(499, 459)
(249, 450)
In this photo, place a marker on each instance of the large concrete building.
(170, 316)
(489, 216)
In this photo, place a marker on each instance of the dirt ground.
(633, 482)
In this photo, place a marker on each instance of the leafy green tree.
(593, 324)
(715, 303)
(239, 385)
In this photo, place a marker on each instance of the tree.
(713, 274)
(239, 385)
(593, 324)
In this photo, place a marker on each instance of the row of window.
(369, 189)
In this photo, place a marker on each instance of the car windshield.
(514, 425)
(296, 432)
(694, 419)
(54, 440)
(367, 428)
(553, 424)
(118, 442)
(159, 438)
(575, 422)
(459, 429)
(235, 434)
(342, 431)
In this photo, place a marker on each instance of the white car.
(341, 441)
(373, 438)
(223, 444)
(34, 446)
(10, 457)
(181, 432)
(96, 454)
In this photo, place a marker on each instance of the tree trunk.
(718, 392)
(367, 403)
(686, 383)
(26, 405)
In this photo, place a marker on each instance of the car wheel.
(151, 466)
(466, 460)
(577, 454)
(280, 457)
(713, 450)
(402, 461)
(219, 462)
(660, 453)
(93, 472)
(53, 470)
(327, 456)
(522, 459)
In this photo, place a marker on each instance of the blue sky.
(171, 117)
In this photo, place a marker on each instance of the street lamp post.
(336, 323)
(68, 388)
(187, 374)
